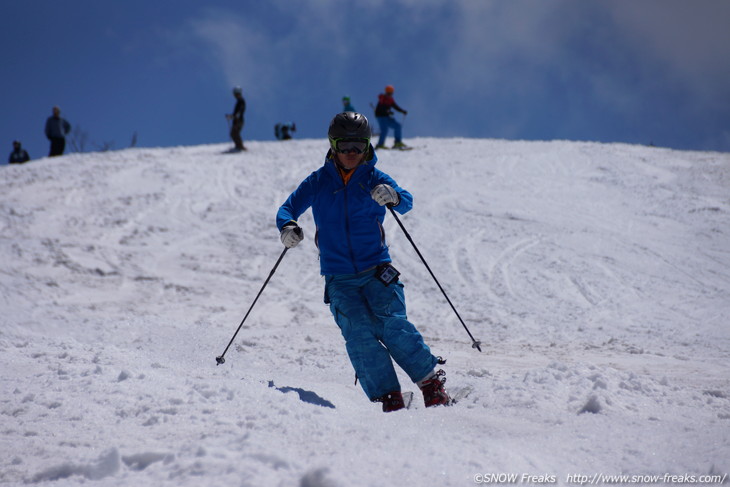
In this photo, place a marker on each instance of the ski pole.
(475, 344)
(220, 359)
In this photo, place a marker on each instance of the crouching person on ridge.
(348, 196)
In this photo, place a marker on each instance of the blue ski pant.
(373, 321)
(385, 123)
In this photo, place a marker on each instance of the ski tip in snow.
(408, 399)
(459, 393)
(402, 148)
(456, 395)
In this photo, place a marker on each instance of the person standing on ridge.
(19, 155)
(282, 131)
(347, 104)
(236, 119)
(348, 196)
(56, 130)
(384, 115)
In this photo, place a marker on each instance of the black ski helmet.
(349, 125)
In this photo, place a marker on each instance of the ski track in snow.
(597, 277)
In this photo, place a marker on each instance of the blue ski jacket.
(57, 127)
(349, 234)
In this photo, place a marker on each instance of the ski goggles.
(345, 146)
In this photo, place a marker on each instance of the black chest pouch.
(387, 274)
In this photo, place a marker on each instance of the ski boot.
(392, 401)
(433, 391)
(400, 145)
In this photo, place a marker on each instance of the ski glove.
(385, 195)
(291, 235)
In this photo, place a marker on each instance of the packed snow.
(597, 277)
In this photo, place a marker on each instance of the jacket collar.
(366, 166)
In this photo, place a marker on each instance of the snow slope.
(597, 277)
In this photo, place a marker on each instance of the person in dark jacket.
(348, 196)
(384, 114)
(19, 155)
(56, 130)
(283, 131)
(237, 119)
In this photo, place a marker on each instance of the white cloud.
(255, 51)
(691, 38)
(235, 46)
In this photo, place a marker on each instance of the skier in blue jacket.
(348, 196)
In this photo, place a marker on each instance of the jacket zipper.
(347, 232)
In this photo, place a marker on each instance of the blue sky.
(636, 71)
